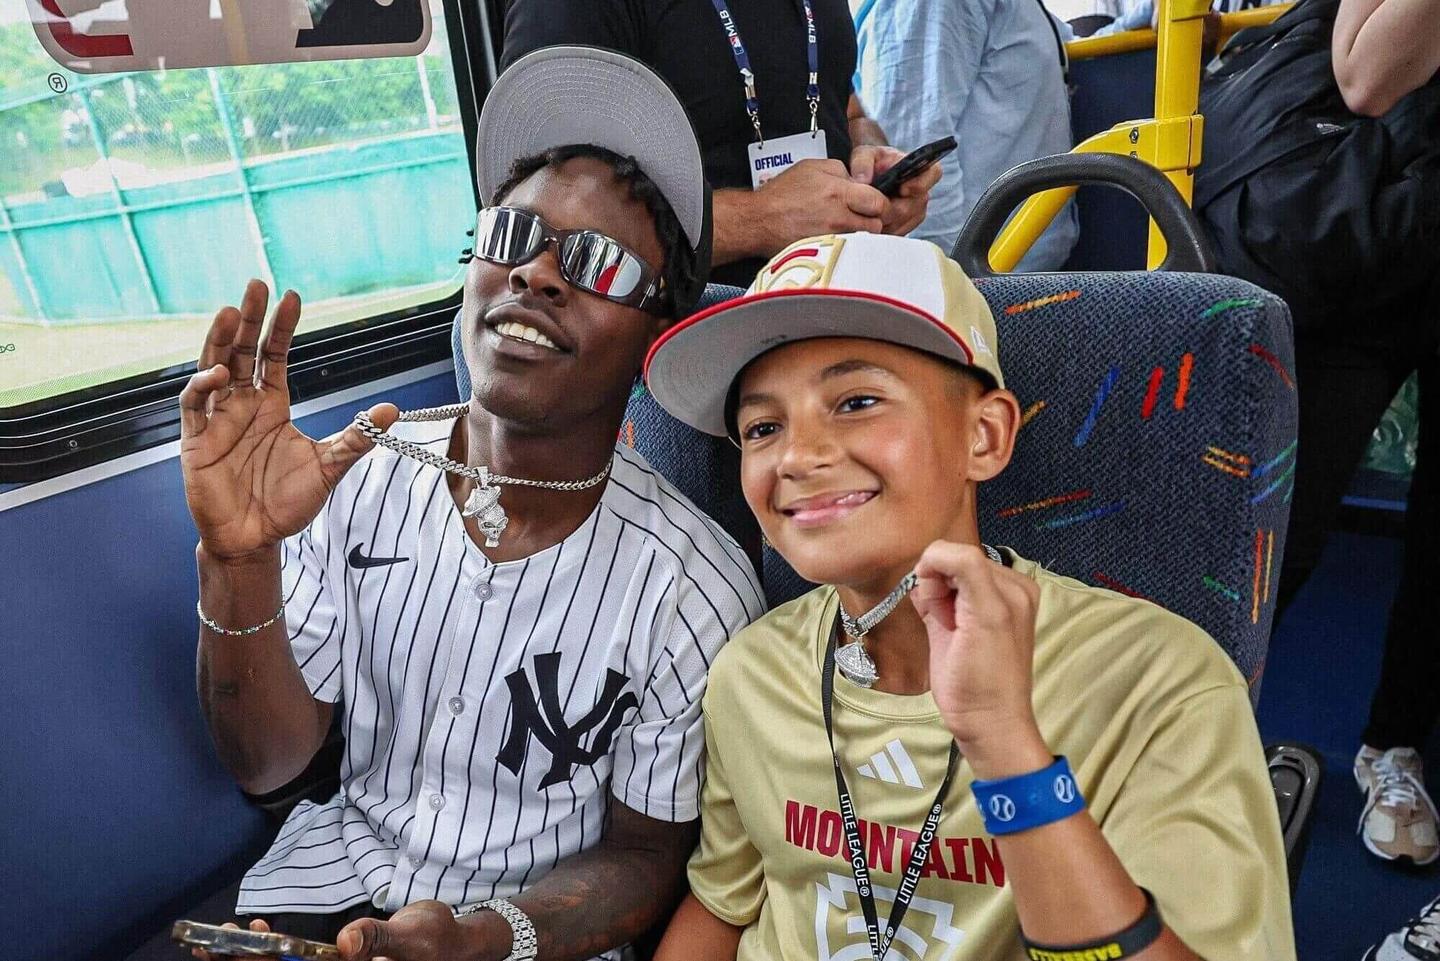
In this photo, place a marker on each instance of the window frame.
(78, 429)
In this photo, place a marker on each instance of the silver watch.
(523, 944)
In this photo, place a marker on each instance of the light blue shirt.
(985, 71)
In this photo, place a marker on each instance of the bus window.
(133, 205)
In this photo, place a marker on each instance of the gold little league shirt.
(1155, 721)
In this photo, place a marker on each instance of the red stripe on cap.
(738, 302)
(802, 252)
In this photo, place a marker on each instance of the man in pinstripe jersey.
(522, 722)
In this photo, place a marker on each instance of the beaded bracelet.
(244, 631)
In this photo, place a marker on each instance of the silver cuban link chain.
(484, 500)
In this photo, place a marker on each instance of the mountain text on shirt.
(971, 860)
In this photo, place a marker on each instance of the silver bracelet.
(244, 631)
(524, 945)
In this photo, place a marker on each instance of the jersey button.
(457, 706)
(416, 860)
(436, 802)
(484, 591)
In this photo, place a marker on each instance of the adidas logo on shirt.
(893, 766)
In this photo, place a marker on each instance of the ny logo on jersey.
(561, 739)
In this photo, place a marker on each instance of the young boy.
(860, 379)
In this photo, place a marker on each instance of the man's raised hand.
(251, 478)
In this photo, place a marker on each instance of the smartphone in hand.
(913, 163)
(239, 943)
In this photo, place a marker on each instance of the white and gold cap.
(871, 286)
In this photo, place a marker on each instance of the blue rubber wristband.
(1014, 804)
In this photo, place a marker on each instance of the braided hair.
(680, 269)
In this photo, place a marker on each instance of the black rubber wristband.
(1126, 944)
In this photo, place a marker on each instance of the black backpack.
(1335, 212)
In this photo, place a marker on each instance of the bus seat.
(1110, 90)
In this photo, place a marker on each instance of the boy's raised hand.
(980, 618)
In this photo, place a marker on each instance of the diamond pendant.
(856, 664)
(484, 504)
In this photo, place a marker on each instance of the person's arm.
(264, 722)
(864, 131)
(1069, 885)
(251, 480)
(1384, 49)
(695, 934)
(596, 900)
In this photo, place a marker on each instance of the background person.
(813, 185)
(1321, 183)
(990, 73)
(521, 710)
(1417, 940)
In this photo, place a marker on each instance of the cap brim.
(558, 96)
(691, 368)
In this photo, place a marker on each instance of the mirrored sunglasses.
(588, 259)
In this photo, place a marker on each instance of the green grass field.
(38, 362)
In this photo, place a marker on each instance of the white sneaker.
(1418, 940)
(1399, 820)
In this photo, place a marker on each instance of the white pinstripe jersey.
(490, 709)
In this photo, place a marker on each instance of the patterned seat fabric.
(1157, 452)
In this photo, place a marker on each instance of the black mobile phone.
(911, 164)
(239, 943)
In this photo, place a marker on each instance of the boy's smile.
(825, 508)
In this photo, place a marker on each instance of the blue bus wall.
(118, 816)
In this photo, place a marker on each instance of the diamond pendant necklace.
(484, 500)
(852, 659)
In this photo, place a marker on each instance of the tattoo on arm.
(614, 892)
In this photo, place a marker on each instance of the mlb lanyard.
(879, 944)
(747, 76)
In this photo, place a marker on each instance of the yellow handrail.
(1128, 41)
(1170, 141)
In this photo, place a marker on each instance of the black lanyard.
(879, 944)
(747, 76)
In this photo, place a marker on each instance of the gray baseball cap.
(557, 96)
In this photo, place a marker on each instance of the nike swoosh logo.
(359, 561)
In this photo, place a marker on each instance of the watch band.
(524, 945)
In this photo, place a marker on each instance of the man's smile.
(516, 322)
(518, 331)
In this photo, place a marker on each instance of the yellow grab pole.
(1167, 145)
(1178, 48)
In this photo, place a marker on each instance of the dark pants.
(1346, 381)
